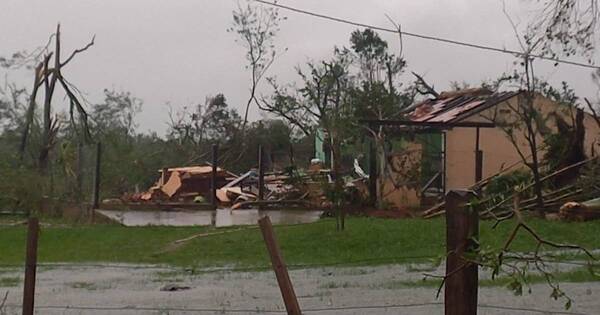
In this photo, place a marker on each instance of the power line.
(433, 38)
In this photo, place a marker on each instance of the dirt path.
(126, 289)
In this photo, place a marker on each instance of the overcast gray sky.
(179, 51)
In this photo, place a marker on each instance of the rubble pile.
(192, 184)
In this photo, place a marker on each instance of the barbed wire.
(419, 259)
(258, 310)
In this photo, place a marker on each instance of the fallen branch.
(183, 240)
(543, 179)
(429, 213)
(554, 200)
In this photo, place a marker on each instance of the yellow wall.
(498, 151)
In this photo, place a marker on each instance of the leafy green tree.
(322, 100)
(116, 113)
(377, 94)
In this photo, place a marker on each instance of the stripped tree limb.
(593, 110)
(46, 76)
(423, 87)
(77, 51)
(37, 81)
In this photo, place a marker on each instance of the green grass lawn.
(366, 241)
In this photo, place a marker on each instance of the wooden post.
(478, 165)
(478, 158)
(283, 278)
(261, 174)
(164, 176)
(213, 176)
(30, 266)
(462, 232)
(372, 173)
(79, 175)
(96, 192)
(444, 162)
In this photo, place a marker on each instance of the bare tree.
(256, 27)
(526, 120)
(47, 76)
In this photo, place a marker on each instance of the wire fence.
(318, 310)
(434, 259)
(345, 263)
(362, 307)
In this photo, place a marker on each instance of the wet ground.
(128, 289)
(219, 217)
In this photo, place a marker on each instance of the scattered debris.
(552, 199)
(174, 288)
(580, 211)
(183, 184)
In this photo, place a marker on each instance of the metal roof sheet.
(455, 106)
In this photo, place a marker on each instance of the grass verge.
(366, 241)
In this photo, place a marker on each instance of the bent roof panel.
(456, 107)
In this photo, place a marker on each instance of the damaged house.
(473, 120)
(185, 184)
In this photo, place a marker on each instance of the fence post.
(30, 266)
(283, 278)
(478, 159)
(79, 175)
(462, 231)
(96, 192)
(261, 174)
(213, 176)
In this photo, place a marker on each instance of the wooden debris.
(580, 211)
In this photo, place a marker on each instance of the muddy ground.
(127, 289)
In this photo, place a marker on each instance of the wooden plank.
(283, 278)
(462, 280)
(30, 266)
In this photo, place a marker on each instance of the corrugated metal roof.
(455, 106)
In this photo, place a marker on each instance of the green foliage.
(505, 185)
(588, 180)
(116, 114)
(21, 189)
